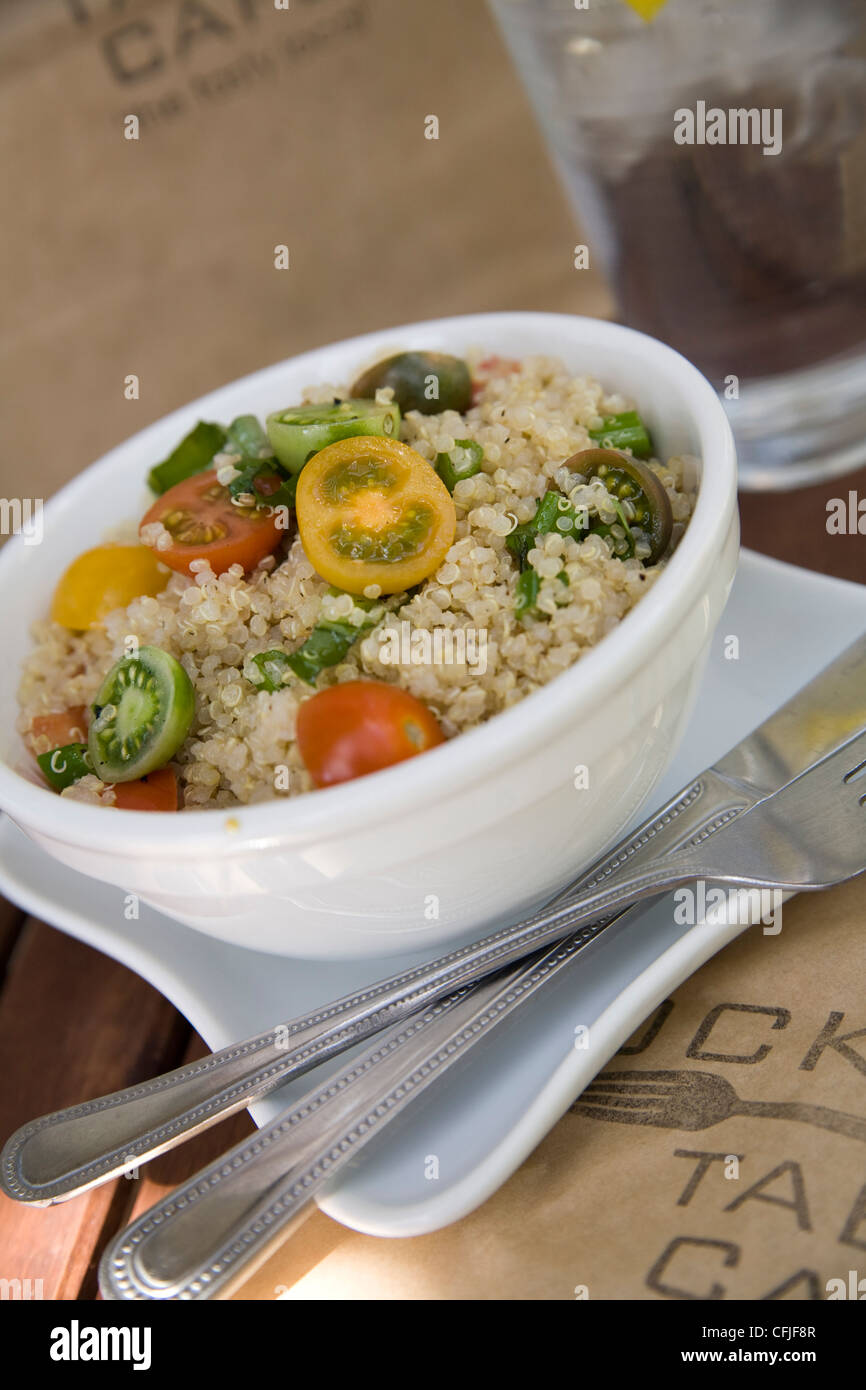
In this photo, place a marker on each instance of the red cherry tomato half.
(49, 731)
(349, 730)
(205, 524)
(155, 792)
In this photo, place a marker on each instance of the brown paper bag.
(751, 1187)
(307, 128)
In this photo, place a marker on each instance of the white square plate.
(488, 1113)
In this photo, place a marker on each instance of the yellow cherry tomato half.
(102, 579)
(373, 511)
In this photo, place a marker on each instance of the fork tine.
(671, 1077)
(627, 1102)
(852, 753)
(598, 1112)
(651, 1088)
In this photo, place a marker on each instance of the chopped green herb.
(259, 475)
(271, 667)
(464, 461)
(192, 455)
(625, 431)
(265, 481)
(326, 645)
(63, 766)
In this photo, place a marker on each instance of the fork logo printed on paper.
(739, 906)
(694, 1100)
(764, 1192)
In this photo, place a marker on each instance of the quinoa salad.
(368, 572)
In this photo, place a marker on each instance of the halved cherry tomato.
(373, 511)
(349, 730)
(155, 792)
(102, 579)
(205, 524)
(48, 731)
(633, 482)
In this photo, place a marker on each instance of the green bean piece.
(464, 461)
(625, 431)
(526, 593)
(601, 528)
(553, 513)
(192, 455)
(63, 766)
(245, 436)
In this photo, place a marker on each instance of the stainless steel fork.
(809, 834)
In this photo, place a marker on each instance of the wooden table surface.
(66, 1011)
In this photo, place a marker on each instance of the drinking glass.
(715, 152)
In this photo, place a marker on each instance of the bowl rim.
(469, 757)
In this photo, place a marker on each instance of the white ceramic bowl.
(479, 830)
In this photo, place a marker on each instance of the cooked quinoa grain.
(241, 747)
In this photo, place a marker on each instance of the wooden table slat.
(74, 1024)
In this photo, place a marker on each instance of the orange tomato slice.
(372, 511)
(102, 579)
